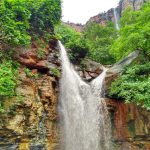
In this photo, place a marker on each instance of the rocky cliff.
(102, 18)
(29, 120)
(130, 126)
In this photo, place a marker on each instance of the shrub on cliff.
(99, 39)
(19, 19)
(7, 78)
(134, 33)
(74, 41)
(133, 85)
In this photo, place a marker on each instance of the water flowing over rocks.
(78, 103)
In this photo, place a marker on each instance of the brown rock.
(131, 127)
(41, 64)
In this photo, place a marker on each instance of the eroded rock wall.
(130, 125)
(29, 120)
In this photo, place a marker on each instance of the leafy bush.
(99, 39)
(134, 33)
(133, 85)
(30, 74)
(21, 18)
(7, 78)
(14, 16)
(44, 15)
(55, 72)
(73, 40)
(94, 42)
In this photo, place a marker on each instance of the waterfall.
(84, 122)
(116, 19)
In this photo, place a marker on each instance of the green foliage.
(99, 39)
(30, 74)
(94, 42)
(133, 85)
(79, 50)
(1, 108)
(19, 19)
(134, 33)
(44, 15)
(66, 34)
(55, 72)
(7, 78)
(41, 53)
(73, 40)
(14, 23)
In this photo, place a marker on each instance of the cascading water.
(116, 19)
(84, 121)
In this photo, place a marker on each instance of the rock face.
(130, 126)
(102, 18)
(77, 27)
(134, 4)
(89, 70)
(29, 120)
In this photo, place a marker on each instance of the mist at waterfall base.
(84, 122)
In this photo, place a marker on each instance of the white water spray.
(84, 121)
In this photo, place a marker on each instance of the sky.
(79, 11)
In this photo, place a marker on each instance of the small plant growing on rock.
(55, 72)
(30, 74)
(41, 53)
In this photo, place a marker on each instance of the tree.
(133, 85)
(74, 41)
(99, 39)
(134, 33)
(20, 19)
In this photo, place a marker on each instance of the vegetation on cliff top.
(134, 33)
(94, 42)
(134, 84)
(20, 21)
(100, 39)
(74, 41)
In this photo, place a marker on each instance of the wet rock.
(130, 125)
(31, 124)
(90, 70)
